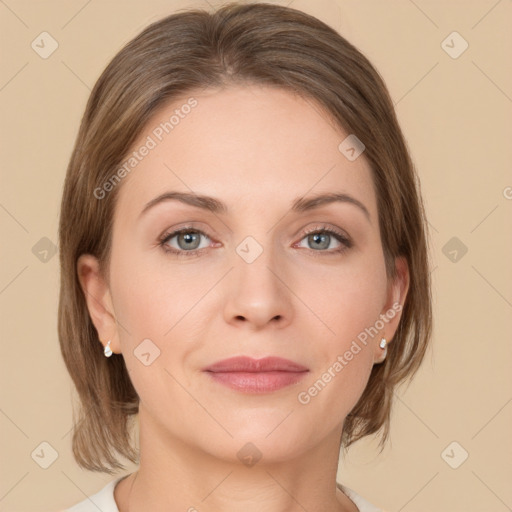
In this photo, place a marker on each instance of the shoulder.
(362, 504)
(102, 500)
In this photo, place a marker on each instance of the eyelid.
(186, 226)
(329, 229)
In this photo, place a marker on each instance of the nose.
(257, 294)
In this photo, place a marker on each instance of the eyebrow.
(299, 205)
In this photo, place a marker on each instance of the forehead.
(250, 143)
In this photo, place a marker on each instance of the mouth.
(248, 375)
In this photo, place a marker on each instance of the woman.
(244, 264)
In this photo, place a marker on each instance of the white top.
(104, 500)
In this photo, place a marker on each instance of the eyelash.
(346, 243)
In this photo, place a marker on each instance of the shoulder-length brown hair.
(239, 43)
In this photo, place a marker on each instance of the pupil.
(318, 238)
(189, 237)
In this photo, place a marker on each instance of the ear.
(392, 310)
(99, 300)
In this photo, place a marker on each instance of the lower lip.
(257, 382)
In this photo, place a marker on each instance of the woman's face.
(250, 277)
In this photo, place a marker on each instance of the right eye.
(187, 242)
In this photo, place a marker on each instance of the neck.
(176, 476)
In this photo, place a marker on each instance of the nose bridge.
(256, 291)
(254, 260)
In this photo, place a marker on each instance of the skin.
(256, 149)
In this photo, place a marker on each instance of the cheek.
(152, 299)
(152, 304)
(349, 304)
(348, 298)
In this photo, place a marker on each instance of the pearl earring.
(108, 351)
(383, 343)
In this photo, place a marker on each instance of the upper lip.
(248, 364)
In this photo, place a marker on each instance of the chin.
(261, 443)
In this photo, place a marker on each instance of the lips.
(250, 365)
(248, 375)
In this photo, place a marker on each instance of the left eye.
(322, 239)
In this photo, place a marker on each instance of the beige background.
(456, 114)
